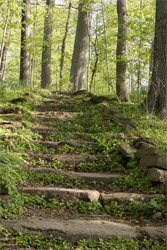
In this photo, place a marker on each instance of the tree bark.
(64, 40)
(47, 43)
(106, 49)
(157, 96)
(25, 43)
(96, 62)
(121, 88)
(34, 45)
(79, 59)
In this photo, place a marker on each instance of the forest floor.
(79, 186)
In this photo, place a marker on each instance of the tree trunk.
(157, 96)
(79, 59)
(47, 42)
(25, 43)
(96, 62)
(106, 49)
(121, 88)
(4, 59)
(63, 43)
(33, 53)
(4, 33)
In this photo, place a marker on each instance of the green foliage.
(41, 242)
(61, 137)
(88, 207)
(11, 171)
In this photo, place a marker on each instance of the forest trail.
(76, 172)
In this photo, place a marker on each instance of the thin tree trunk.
(121, 88)
(95, 64)
(64, 40)
(25, 43)
(4, 59)
(4, 33)
(157, 96)
(79, 59)
(47, 43)
(33, 55)
(106, 50)
(89, 62)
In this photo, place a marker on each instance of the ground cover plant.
(18, 143)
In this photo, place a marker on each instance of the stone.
(77, 143)
(123, 197)
(142, 153)
(153, 161)
(127, 127)
(127, 149)
(62, 193)
(87, 177)
(157, 216)
(163, 187)
(80, 92)
(57, 114)
(155, 233)
(99, 99)
(10, 125)
(96, 177)
(15, 117)
(144, 142)
(119, 136)
(19, 99)
(73, 230)
(55, 107)
(15, 110)
(109, 110)
(157, 175)
(3, 189)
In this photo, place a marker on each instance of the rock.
(127, 123)
(87, 177)
(157, 175)
(80, 92)
(96, 177)
(10, 125)
(127, 127)
(123, 197)
(15, 110)
(73, 230)
(15, 117)
(119, 136)
(157, 216)
(55, 107)
(3, 189)
(19, 99)
(76, 143)
(99, 99)
(142, 153)
(155, 233)
(153, 161)
(127, 149)
(143, 145)
(63, 193)
(5, 199)
(163, 187)
(144, 142)
(110, 111)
